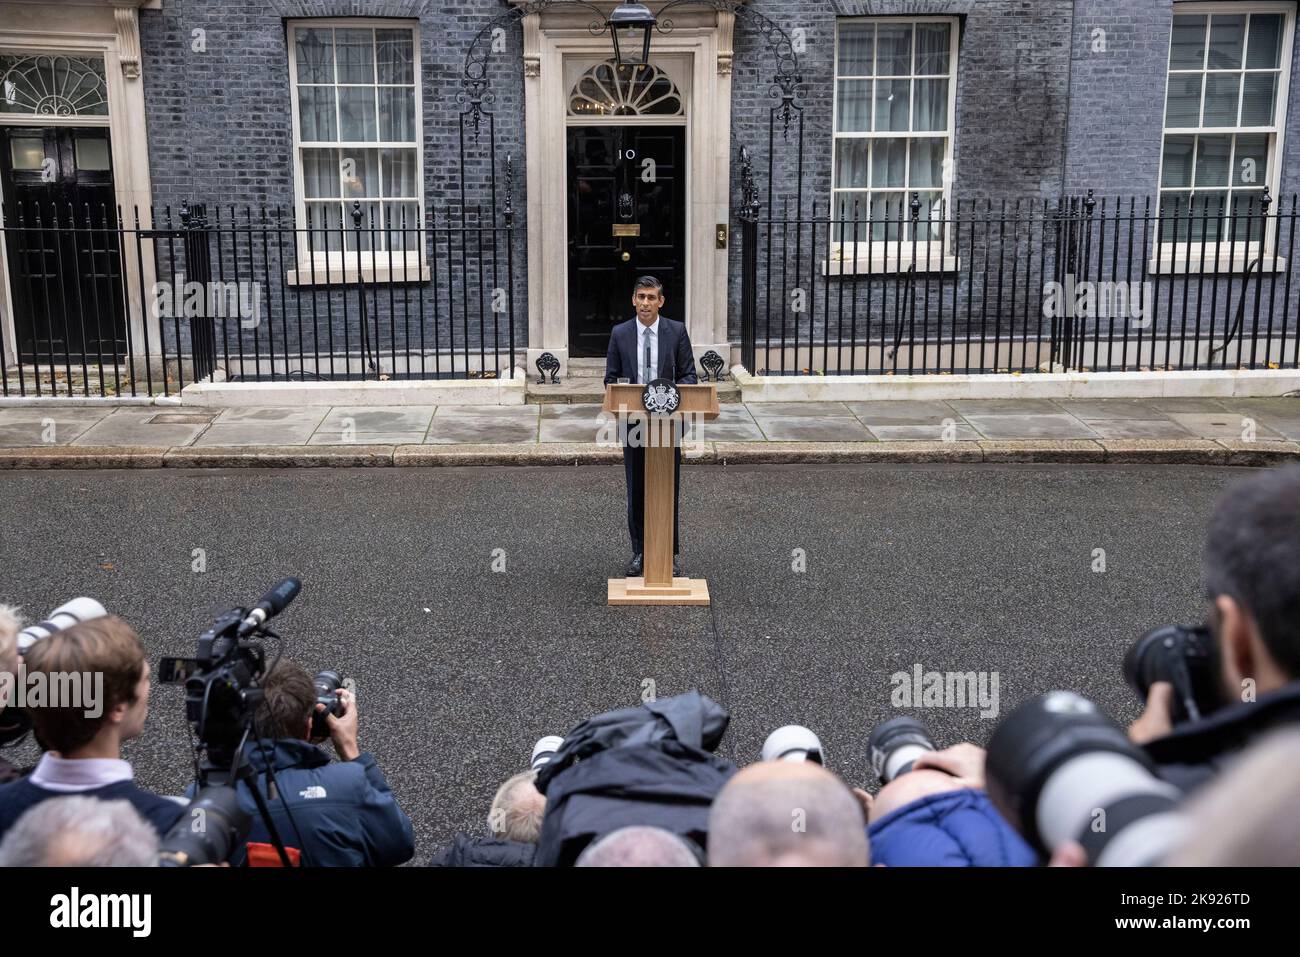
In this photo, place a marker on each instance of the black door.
(627, 218)
(65, 268)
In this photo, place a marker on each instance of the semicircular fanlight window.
(53, 85)
(608, 89)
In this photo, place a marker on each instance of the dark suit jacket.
(674, 351)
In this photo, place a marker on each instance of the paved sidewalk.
(1233, 431)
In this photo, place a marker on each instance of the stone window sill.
(350, 273)
(1225, 264)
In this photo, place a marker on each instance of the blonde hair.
(10, 624)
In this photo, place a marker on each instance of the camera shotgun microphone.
(272, 603)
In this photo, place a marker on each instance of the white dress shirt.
(642, 331)
(70, 776)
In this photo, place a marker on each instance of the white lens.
(791, 743)
(65, 616)
(544, 750)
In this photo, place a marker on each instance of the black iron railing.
(975, 286)
(147, 302)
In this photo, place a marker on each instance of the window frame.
(895, 255)
(331, 267)
(1185, 254)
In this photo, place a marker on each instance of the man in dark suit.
(648, 347)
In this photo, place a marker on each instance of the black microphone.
(272, 603)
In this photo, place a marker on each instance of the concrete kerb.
(1218, 384)
(1072, 451)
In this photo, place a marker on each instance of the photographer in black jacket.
(1252, 578)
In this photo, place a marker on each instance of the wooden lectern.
(662, 435)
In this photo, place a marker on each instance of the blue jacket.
(345, 813)
(17, 796)
(675, 353)
(952, 829)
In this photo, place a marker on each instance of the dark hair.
(107, 646)
(289, 697)
(1252, 554)
(648, 282)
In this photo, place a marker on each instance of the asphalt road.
(460, 668)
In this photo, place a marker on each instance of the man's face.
(133, 721)
(648, 303)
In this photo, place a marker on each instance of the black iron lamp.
(631, 25)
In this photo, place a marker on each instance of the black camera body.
(326, 682)
(1187, 658)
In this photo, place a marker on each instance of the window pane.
(889, 163)
(402, 219)
(314, 51)
(371, 231)
(357, 113)
(92, 153)
(850, 163)
(355, 53)
(857, 41)
(1187, 48)
(320, 173)
(396, 59)
(1227, 34)
(931, 113)
(893, 102)
(1183, 108)
(1265, 50)
(323, 224)
(1250, 164)
(1177, 169)
(1249, 211)
(397, 114)
(27, 152)
(854, 107)
(316, 113)
(926, 163)
(894, 49)
(398, 167)
(360, 170)
(1212, 153)
(932, 47)
(1258, 99)
(928, 225)
(1221, 96)
(851, 220)
(887, 216)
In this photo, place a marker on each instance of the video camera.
(223, 690)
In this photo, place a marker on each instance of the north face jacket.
(345, 814)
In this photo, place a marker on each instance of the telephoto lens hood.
(793, 742)
(1059, 770)
(65, 616)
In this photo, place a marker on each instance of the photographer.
(1252, 578)
(83, 739)
(340, 814)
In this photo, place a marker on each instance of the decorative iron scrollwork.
(548, 364)
(712, 363)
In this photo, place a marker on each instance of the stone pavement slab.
(46, 425)
(1222, 425)
(822, 428)
(1034, 425)
(141, 427)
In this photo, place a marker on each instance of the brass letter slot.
(627, 229)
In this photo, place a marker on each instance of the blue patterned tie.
(647, 371)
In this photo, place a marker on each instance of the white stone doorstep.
(296, 394)
(1228, 383)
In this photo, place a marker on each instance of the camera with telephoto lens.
(14, 722)
(1058, 770)
(794, 742)
(1187, 658)
(326, 682)
(894, 746)
(209, 831)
